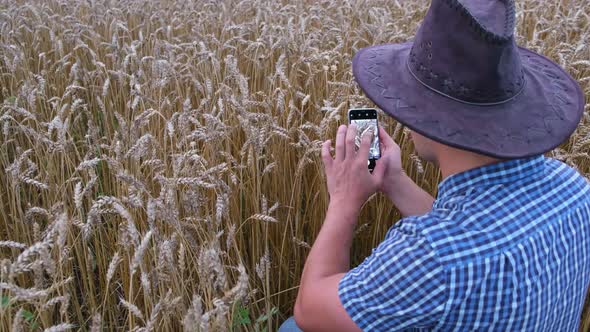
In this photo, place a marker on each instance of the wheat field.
(159, 159)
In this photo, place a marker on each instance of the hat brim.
(539, 119)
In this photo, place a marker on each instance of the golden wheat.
(159, 160)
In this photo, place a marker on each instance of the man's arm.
(318, 305)
(408, 197)
(401, 285)
(400, 282)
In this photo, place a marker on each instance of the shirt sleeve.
(400, 286)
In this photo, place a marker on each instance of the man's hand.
(392, 161)
(407, 196)
(349, 179)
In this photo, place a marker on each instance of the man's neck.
(456, 161)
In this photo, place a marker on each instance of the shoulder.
(413, 226)
(570, 182)
(452, 235)
(405, 239)
(426, 227)
(401, 280)
(564, 171)
(406, 250)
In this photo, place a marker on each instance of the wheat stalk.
(182, 140)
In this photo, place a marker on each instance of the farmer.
(505, 245)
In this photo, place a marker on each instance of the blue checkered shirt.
(506, 247)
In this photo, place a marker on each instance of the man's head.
(425, 147)
(472, 87)
(441, 154)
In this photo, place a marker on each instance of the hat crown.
(466, 50)
(494, 17)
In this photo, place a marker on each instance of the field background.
(159, 160)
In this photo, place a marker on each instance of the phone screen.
(365, 122)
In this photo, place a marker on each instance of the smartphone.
(366, 119)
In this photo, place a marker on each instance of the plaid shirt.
(506, 247)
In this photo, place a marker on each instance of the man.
(505, 245)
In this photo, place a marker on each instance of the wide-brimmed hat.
(464, 82)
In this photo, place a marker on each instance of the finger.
(379, 170)
(340, 146)
(326, 156)
(350, 137)
(366, 144)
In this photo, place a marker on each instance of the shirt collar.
(497, 173)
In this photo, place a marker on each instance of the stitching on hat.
(476, 137)
(510, 15)
(489, 36)
(453, 90)
(558, 99)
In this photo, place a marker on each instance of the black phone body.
(365, 119)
